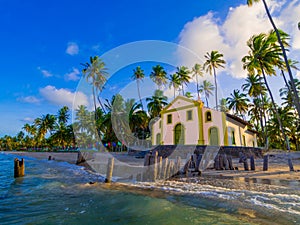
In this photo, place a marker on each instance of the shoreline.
(277, 174)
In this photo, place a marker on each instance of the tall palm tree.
(159, 76)
(156, 103)
(197, 71)
(286, 93)
(138, 76)
(238, 102)
(262, 58)
(174, 82)
(214, 60)
(207, 88)
(297, 101)
(44, 124)
(184, 76)
(96, 74)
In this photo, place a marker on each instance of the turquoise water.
(60, 193)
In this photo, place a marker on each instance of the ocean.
(54, 192)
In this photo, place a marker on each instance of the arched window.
(208, 116)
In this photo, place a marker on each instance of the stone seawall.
(172, 151)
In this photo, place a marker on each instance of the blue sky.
(43, 43)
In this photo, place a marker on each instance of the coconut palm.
(184, 76)
(197, 71)
(174, 82)
(297, 101)
(44, 124)
(156, 103)
(223, 105)
(207, 88)
(263, 55)
(214, 60)
(238, 102)
(138, 76)
(159, 76)
(96, 74)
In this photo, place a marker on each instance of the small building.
(188, 122)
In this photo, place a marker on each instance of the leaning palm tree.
(214, 60)
(159, 76)
(197, 71)
(238, 102)
(174, 82)
(263, 55)
(297, 101)
(138, 76)
(184, 76)
(207, 88)
(96, 74)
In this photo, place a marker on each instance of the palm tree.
(263, 55)
(156, 103)
(214, 60)
(286, 93)
(197, 71)
(159, 76)
(184, 76)
(174, 82)
(207, 88)
(44, 124)
(138, 76)
(297, 101)
(223, 105)
(96, 74)
(238, 102)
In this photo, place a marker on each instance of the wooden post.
(266, 163)
(49, 158)
(168, 170)
(178, 164)
(225, 160)
(217, 163)
(165, 168)
(221, 162)
(19, 168)
(199, 158)
(155, 166)
(160, 168)
(252, 162)
(246, 165)
(229, 158)
(290, 164)
(110, 167)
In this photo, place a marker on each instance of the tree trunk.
(216, 88)
(297, 101)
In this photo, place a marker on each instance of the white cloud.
(63, 97)
(72, 48)
(73, 76)
(28, 120)
(45, 73)
(206, 33)
(29, 99)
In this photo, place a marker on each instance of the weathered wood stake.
(252, 162)
(290, 164)
(165, 168)
(110, 168)
(19, 168)
(266, 163)
(246, 165)
(229, 158)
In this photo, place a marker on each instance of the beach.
(127, 166)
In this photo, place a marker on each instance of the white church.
(188, 122)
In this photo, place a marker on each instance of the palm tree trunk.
(297, 101)
(198, 88)
(216, 89)
(138, 88)
(279, 120)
